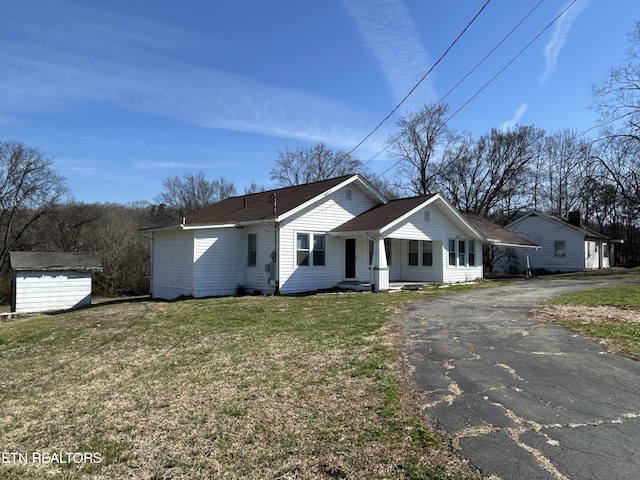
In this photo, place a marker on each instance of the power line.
(513, 59)
(395, 109)
(477, 65)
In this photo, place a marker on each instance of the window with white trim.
(458, 250)
(452, 252)
(427, 253)
(302, 249)
(318, 250)
(252, 249)
(413, 252)
(310, 249)
(462, 253)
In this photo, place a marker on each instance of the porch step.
(364, 287)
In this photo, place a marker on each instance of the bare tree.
(617, 99)
(561, 172)
(491, 176)
(416, 146)
(193, 191)
(29, 190)
(305, 165)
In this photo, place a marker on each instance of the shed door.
(349, 258)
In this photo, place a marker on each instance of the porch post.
(379, 266)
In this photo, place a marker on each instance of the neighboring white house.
(44, 281)
(567, 245)
(315, 236)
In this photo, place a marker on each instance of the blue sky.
(122, 94)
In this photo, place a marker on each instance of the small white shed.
(45, 281)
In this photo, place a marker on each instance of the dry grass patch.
(611, 315)
(253, 387)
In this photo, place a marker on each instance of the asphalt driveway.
(525, 400)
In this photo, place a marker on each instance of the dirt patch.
(595, 315)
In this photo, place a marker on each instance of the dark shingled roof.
(495, 232)
(381, 215)
(55, 261)
(259, 206)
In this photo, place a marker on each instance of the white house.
(45, 281)
(567, 245)
(314, 236)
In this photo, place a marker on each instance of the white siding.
(256, 278)
(438, 229)
(332, 211)
(42, 291)
(172, 264)
(545, 233)
(219, 261)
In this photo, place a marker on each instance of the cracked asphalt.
(525, 400)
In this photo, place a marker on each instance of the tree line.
(501, 174)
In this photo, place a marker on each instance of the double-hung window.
(413, 252)
(559, 248)
(318, 250)
(427, 253)
(452, 252)
(252, 249)
(310, 249)
(461, 252)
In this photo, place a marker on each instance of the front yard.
(251, 387)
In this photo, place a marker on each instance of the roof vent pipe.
(273, 198)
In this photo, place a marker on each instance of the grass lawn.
(250, 387)
(610, 315)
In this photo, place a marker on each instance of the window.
(452, 252)
(302, 249)
(413, 252)
(559, 248)
(605, 250)
(427, 216)
(472, 253)
(252, 249)
(427, 253)
(310, 249)
(462, 253)
(318, 250)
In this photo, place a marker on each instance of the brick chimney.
(574, 218)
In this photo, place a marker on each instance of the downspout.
(275, 256)
(276, 241)
(153, 243)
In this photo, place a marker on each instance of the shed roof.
(55, 261)
(498, 235)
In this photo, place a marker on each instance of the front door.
(349, 258)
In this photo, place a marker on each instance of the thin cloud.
(153, 80)
(392, 38)
(509, 124)
(559, 37)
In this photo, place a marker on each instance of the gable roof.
(384, 217)
(273, 205)
(380, 216)
(586, 232)
(498, 235)
(55, 261)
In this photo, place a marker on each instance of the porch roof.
(496, 235)
(380, 216)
